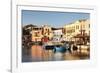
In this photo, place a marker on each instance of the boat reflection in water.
(49, 53)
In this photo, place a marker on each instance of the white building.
(57, 35)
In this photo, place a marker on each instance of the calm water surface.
(36, 53)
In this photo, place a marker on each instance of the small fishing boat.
(59, 48)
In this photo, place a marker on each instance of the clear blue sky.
(54, 19)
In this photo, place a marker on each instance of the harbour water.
(37, 54)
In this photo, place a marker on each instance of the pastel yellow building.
(36, 34)
(47, 31)
(40, 32)
(73, 29)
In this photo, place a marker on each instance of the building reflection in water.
(37, 53)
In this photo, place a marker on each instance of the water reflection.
(37, 53)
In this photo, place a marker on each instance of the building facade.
(57, 35)
(72, 31)
(47, 31)
(36, 34)
(41, 33)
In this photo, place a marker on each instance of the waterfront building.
(36, 34)
(47, 31)
(74, 30)
(57, 34)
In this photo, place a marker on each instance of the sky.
(53, 19)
